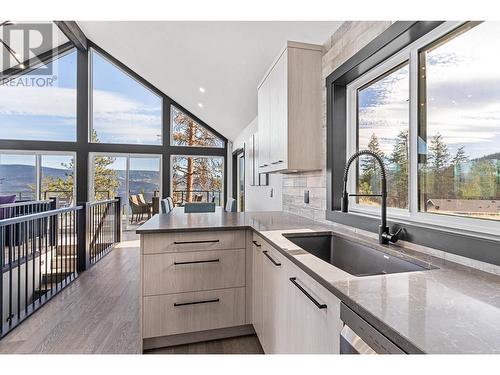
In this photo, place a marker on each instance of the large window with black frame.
(78, 125)
(195, 178)
(44, 104)
(431, 113)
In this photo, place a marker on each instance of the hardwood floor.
(237, 345)
(98, 313)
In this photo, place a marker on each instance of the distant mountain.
(140, 182)
(16, 178)
(495, 156)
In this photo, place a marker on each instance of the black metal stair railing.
(41, 253)
(16, 209)
(38, 258)
(103, 219)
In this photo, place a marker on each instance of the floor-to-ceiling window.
(129, 145)
(195, 178)
(123, 110)
(18, 175)
(39, 103)
(126, 176)
(38, 175)
(144, 175)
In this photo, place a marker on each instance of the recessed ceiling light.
(200, 105)
(202, 90)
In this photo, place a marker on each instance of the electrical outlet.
(306, 196)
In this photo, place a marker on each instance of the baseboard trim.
(200, 336)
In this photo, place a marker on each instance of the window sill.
(448, 224)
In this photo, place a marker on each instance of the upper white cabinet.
(289, 111)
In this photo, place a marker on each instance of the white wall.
(258, 198)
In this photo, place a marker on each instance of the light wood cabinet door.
(289, 111)
(263, 108)
(313, 322)
(257, 285)
(273, 301)
(278, 114)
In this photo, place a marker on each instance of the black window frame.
(398, 36)
(91, 51)
(83, 147)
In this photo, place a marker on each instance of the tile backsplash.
(345, 42)
(294, 186)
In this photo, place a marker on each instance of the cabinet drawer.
(193, 241)
(193, 271)
(190, 312)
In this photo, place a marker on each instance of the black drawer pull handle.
(196, 302)
(318, 305)
(257, 244)
(277, 264)
(263, 165)
(277, 162)
(200, 241)
(196, 262)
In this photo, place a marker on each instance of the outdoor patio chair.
(137, 208)
(142, 200)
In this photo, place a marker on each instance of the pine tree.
(438, 168)
(458, 162)
(398, 179)
(105, 179)
(482, 182)
(460, 156)
(369, 181)
(194, 173)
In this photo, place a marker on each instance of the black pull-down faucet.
(384, 236)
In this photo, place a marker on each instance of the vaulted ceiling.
(225, 59)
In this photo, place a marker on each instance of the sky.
(384, 109)
(463, 95)
(463, 101)
(124, 110)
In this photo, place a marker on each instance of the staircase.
(61, 265)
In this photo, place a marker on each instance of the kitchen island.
(448, 308)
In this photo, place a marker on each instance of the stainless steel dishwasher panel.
(360, 337)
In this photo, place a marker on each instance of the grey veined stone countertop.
(450, 309)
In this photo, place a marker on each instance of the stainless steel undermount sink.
(350, 256)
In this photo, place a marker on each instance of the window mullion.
(352, 105)
(413, 134)
(38, 166)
